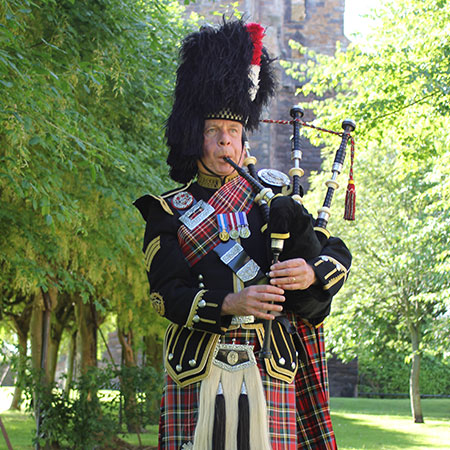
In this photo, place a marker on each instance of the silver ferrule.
(337, 167)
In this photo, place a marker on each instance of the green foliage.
(81, 420)
(86, 88)
(396, 88)
(389, 374)
(147, 384)
(89, 416)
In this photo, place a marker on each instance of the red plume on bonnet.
(256, 32)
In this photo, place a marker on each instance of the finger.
(265, 312)
(264, 289)
(283, 273)
(291, 286)
(289, 263)
(267, 298)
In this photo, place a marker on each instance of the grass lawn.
(359, 424)
(386, 424)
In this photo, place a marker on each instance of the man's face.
(221, 138)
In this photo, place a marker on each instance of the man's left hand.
(292, 274)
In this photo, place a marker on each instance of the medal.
(224, 236)
(234, 232)
(244, 230)
(223, 233)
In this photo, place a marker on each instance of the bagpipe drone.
(285, 216)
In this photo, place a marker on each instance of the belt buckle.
(234, 357)
(240, 320)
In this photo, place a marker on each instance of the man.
(207, 253)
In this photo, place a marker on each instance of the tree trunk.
(63, 312)
(86, 336)
(17, 397)
(153, 350)
(22, 327)
(40, 342)
(414, 384)
(71, 360)
(127, 385)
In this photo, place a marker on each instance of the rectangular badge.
(195, 215)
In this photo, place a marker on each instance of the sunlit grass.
(386, 424)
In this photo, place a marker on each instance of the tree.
(85, 93)
(396, 86)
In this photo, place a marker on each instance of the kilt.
(179, 406)
(314, 428)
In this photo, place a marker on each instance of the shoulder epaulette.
(143, 203)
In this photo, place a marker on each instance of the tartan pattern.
(234, 196)
(179, 406)
(314, 428)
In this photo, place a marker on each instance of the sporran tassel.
(218, 437)
(243, 436)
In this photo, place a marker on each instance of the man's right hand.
(254, 300)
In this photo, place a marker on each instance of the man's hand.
(254, 300)
(292, 274)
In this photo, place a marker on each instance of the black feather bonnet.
(216, 78)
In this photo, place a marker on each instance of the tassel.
(350, 195)
(218, 437)
(243, 433)
(350, 201)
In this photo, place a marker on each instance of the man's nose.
(224, 138)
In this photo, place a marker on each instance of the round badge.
(273, 177)
(232, 358)
(182, 200)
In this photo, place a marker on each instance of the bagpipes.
(285, 216)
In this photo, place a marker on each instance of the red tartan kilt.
(308, 428)
(314, 428)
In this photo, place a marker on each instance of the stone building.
(318, 25)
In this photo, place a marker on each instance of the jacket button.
(170, 357)
(282, 361)
(179, 368)
(293, 365)
(192, 362)
(201, 304)
(196, 319)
